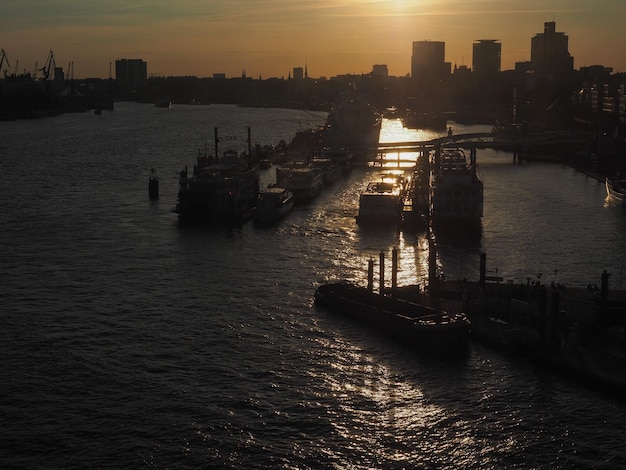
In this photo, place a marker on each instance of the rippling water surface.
(128, 341)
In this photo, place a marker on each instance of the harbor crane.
(50, 65)
(4, 58)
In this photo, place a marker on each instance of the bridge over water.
(518, 143)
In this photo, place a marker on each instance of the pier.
(578, 333)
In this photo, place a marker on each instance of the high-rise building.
(486, 58)
(549, 54)
(428, 63)
(130, 74)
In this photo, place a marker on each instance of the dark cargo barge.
(422, 328)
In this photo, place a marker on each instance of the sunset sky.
(267, 38)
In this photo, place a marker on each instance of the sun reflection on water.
(377, 413)
(393, 130)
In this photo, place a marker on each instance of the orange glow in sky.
(267, 38)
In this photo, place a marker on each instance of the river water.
(128, 341)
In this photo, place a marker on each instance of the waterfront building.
(486, 58)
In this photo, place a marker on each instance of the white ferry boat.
(382, 200)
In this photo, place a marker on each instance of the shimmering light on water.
(393, 130)
(129, 341)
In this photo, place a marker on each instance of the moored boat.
(616, 189)
(223, 190)
(354, 124)
(301, 179)
(341, 156)
(329, 168)
(163, 103)
(456, 192)
(274, 204)
(415, 120)
(420, 327)
(380, 203)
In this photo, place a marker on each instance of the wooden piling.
(394, 270)
(382, 273)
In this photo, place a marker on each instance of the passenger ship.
(354, 124)
(382, 200)
(304, 181)
(220, 190)
(456, 191)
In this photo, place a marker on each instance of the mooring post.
(153, 185)
(394, 270)
(249, 149)
(433, 282)
(370, 275)
(483, 269)
(216, 141)
(382, 273)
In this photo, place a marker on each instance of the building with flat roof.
(130, 74)
(380, 70)
(428, 63)
(549, 55)
(486, 57)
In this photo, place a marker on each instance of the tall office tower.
(130, 73)
(486, 58)
(549, 55)
(428, 63)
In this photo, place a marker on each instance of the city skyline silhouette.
(267, 39)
